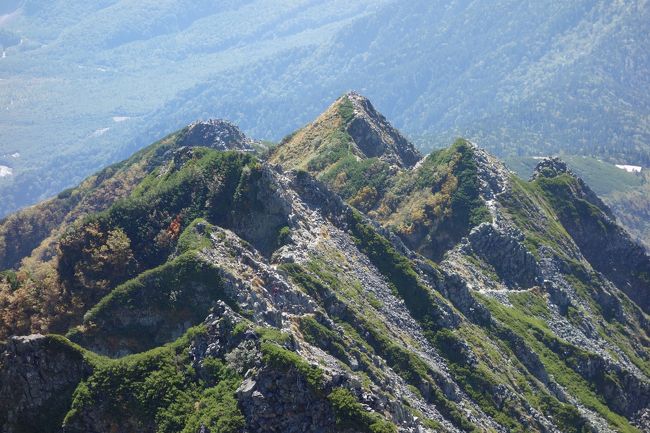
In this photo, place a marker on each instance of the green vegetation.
(524, 202)
(323, 337)
(431, 207)
(139, 228)
(559, 191)
(350, 414)
(272, 335)
(465, 202)
(435, 205)
(537, 335)
(420, 300)
(148, 310)
(601, 241)
(159, 391)
(478, 379)
(360, 181)
(280, 357)
(284, 236)
(625, 193)
(194, 237)
(336, 148)
(477, 382)
(204, 187)
(322, 285)
(139, 232)
(346, 109)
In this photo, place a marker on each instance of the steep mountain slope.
(431, 206)
(516, 77)
(226, 293)
(626, 194)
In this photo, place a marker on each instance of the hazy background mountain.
(83, 83)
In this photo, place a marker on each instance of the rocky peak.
(551, 167)
(349, 127)
(217, 134)
(492, 173)
(373, 134)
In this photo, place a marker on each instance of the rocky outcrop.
(505, 252)
(376, 137)
(216, 134)
(282, 401)
(38, 375)
(261, 209)
(272, 399)
(550, 167)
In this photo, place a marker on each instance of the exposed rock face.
(38, 375)
(506, 253)
(276, 401)
(261, 209)
(376, 137)
(217, 134)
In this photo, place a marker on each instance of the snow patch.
(15, 155)
(120, 118)
(630, 168)
(5, 171)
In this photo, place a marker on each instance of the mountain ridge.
(217, 289)
(520, 79)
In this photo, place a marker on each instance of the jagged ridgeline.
(337, 282)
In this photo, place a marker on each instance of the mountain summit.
(374, 135)
(350, 127)
(340, 287)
